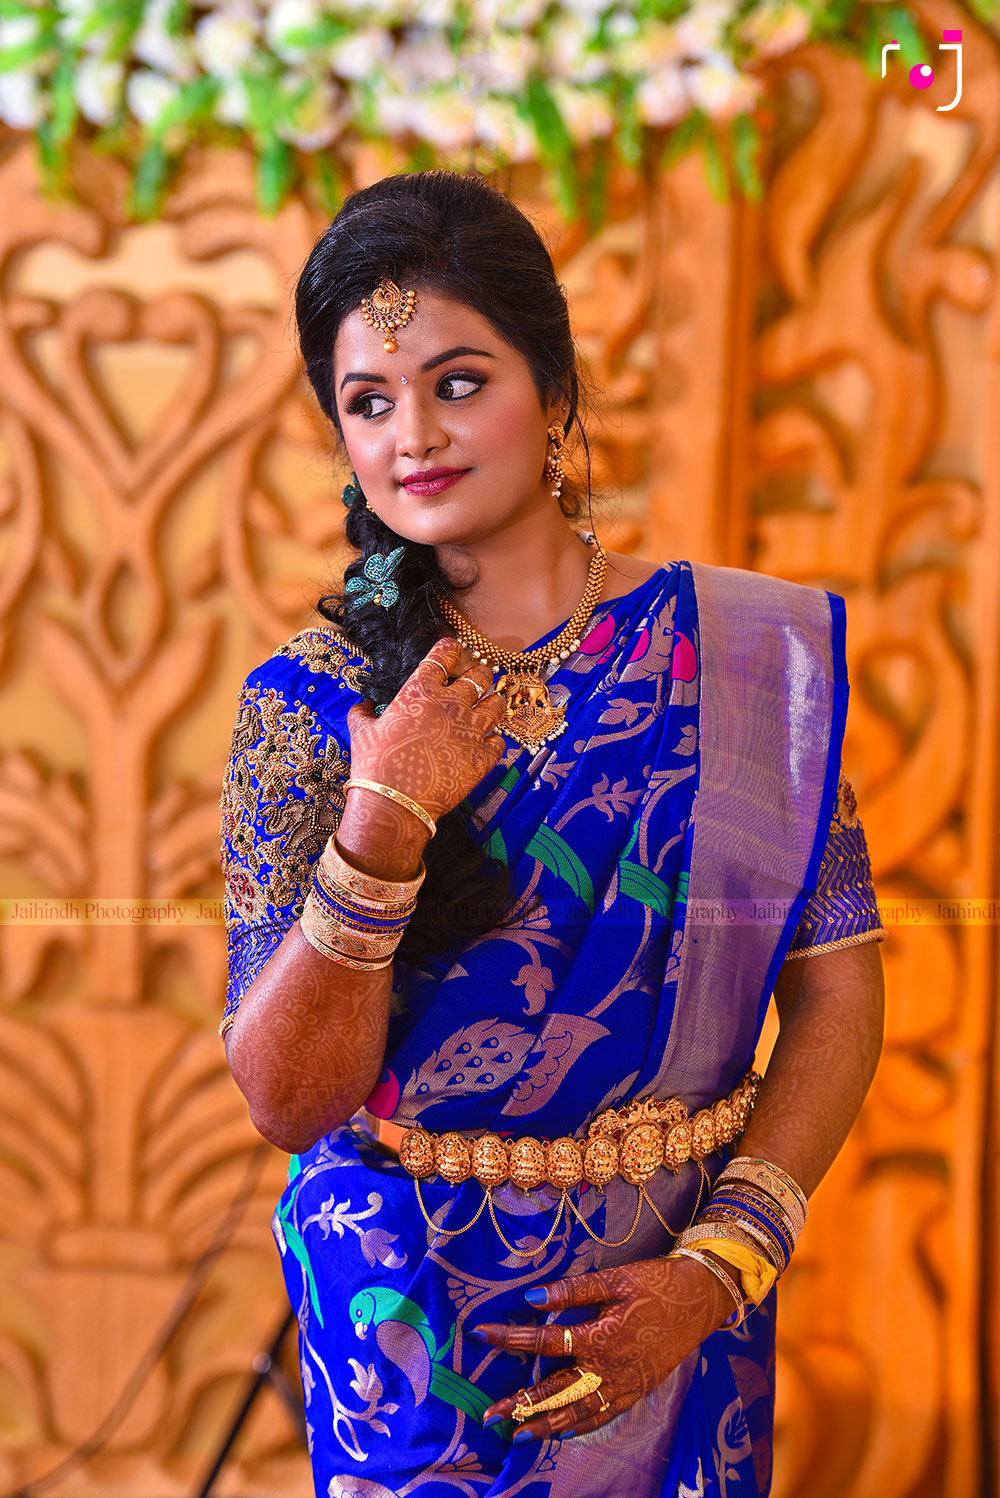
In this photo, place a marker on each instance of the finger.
(496, 744)
(586, 1413)
(447, 650)
(480, 673)
(578, 1290)
(593, 1420)
(490, 709)
(543, 1341)
(551, 1384)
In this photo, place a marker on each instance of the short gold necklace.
(532, 718)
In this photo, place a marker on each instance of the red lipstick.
(432, 480)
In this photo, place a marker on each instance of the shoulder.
(313, 675)
(759, 602)
(323, 651)
(738, 581)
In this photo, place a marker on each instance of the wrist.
(725, 1305)
(381, 838)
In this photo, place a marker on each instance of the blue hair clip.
(376, 585)
(351, 491)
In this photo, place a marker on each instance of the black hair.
(456, 234)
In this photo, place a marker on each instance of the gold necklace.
(532, 718)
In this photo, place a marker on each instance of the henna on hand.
(654, 1313)
(433, 742)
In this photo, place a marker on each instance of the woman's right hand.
(435, 740)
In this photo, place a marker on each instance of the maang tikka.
(387, 309)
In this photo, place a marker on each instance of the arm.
(830, 1009)
(307, 1040)
(306, 1046)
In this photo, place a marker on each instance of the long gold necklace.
(532, 718)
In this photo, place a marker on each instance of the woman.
(499, 897)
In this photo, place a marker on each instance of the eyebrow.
(451, 353)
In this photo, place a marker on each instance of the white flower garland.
(512, 79)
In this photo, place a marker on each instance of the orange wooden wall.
(810, 388)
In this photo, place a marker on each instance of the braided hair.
(458, 235)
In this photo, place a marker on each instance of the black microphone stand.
(267, 1370)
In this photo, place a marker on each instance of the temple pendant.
(532, 717)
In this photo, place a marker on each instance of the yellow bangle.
(757, 1275)
(397, 796)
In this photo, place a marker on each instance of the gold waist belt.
(633, 1141)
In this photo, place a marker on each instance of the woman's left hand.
(656, 1311)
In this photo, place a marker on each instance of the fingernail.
(493, 1420)
(524, 1435)
(537, 1295)
(477, 1335)
(567, 1433)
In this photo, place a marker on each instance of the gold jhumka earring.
(554, 471)
(387, 309)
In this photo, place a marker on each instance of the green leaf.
(556, 854)
(12, 59)
(715, 166)
(538, 106)
(193, 102)
(629, 133)
(681, 139)
(275, 170)
(177, 16)
(63, 111)
(596, 189)
(149, 181)
(638, 883)
(323, 34)
(496, 847)
(421, 158)
(327, 182)
(745, 142)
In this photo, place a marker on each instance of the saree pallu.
(690, 791)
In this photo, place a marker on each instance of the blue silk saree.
(687, 801)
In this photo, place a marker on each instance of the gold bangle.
(335, 956)
(349, 929)
(394, 795)
(370, 886)
(777, 1183)
(736, 1291)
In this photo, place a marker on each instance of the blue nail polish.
(493, 1420)
(524, 1435)
(567, 1433)
(537, 1295)
(476, 1335)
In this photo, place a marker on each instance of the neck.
(530, 579)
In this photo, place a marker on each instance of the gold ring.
(440, 667)
(605, 1406)
(523, 1407)
(480, 691)
(568, 1341)
(587, 1383)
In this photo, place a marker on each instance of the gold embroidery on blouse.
(275, 749)
(847, 803)
(877, 933)
(324, 650)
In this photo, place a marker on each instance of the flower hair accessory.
(376, 584)
(387, 309)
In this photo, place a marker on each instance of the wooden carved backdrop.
(805, 390)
